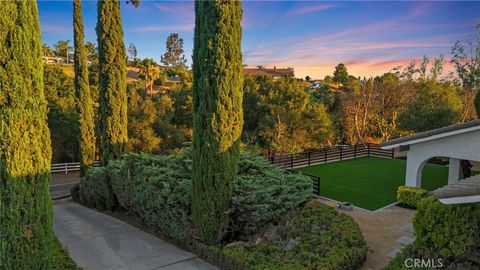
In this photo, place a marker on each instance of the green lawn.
(370, 182)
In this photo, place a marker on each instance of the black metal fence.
(325, 155)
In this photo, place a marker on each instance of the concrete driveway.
(61, 184)
(98, 241)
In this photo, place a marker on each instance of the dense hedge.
(158, 189)
(95, 189)
(451, 231)
(326, 239)
(410, 196)
(264, 192)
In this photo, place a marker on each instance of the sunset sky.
(312, 37)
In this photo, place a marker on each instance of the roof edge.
(432, 134)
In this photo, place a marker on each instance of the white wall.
(461, 146)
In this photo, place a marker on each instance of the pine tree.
(26, 236)
(112, 80)
(82, 92)
(218, 115)
(174, 55)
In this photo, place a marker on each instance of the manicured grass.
(370, 182)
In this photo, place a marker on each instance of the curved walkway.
(385, 231)
(98, 241)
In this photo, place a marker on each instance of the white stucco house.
(457, 142)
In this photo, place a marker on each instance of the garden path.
(98, 241)
(382, 230)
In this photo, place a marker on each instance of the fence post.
(325, 152)
(291, 162)
(272, 159)
(66, 168)
(368, 149)
(341, 153)
(393, 153)
(355, 151)
(309, 154)
(318, 185)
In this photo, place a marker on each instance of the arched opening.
(434, 173)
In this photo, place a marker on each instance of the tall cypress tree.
(218, 115)
(26, 235)
(112, 80)
(82, 92)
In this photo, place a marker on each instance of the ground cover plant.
(370, 182)
(314, 237)
(61, 258)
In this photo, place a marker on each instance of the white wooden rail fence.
(68, 167)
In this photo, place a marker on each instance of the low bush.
(449, 231)
(158, 189)
(95, 189)
(318, 236)
(264, 193)
(410, 196)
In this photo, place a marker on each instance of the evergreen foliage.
(218, 116)
(281, 117)
(324, 237)
(449, 231)
(411, 196)
(26, 236)
(62, 115)
(158, 189)
(86, 115)
(112, 80)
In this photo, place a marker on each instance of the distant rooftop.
(273, 72)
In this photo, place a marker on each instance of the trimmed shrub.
(449, 231)
(410, 196)
(158, 189)
(326, 239)
(95, 190)
(264, 193)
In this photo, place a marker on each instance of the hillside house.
(275, 73)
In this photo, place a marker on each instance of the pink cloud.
(181, 9)
(421, 9)
(309, 9)
(54, 28)
(155, 28)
